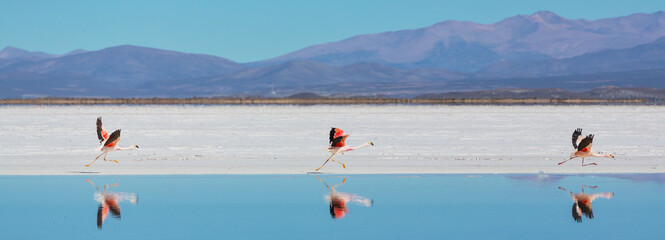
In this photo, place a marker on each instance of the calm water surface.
(332, 206)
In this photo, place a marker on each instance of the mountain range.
(541, 50)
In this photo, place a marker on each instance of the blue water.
(295, 207)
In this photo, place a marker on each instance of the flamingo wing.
(577, 137)
(335, 133)
(577, 213)
(586, 209)
(585, 144)
(102, 212)
(114, 207)
(113, 139)
(339, 141)
(101, 132)
(338, 208)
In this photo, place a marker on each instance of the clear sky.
(252, 30)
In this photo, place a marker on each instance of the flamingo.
(109, 201)
(337, 145)
(108, 143)
(582, 202)
(338, 200)
(583, 148)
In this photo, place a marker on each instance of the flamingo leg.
(95, 160)
(585, 186)
(324, 163)
(333, 159)
(571, 158)
(587, 164)
(109, 159)
(328, 187)
(565, 190)
(343, 181)
(93, 184)
(324, 183)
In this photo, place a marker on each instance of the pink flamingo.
(108, 143)
(337, 145)
(583, 148)
(337, 200)
(110, 202)
(582, 202)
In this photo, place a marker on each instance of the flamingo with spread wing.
(108, 142)
(110, 202)
(337, 200)
(338, 145)
(583, 148)
(582, 202)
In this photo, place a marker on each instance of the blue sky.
(253, 30)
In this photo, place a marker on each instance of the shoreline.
(302, 101)
(199, 171)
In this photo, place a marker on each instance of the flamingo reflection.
(110, 202)
(582, 202)
(338, 200)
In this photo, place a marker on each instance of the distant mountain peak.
(11, 52)
(469, 46)
(545, 14)
(14, 52)
(128, 47)
(10, 48)
(77, 51)
(548, 17)
(545, 17)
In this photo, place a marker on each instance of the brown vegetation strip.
(91, 101)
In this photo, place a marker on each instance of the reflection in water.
(110, 201)
(582, 202)
(643, 177)
(540, 177)
(338, 200)
(544, 177)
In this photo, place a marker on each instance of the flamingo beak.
(371, 143)
(612, 155)
(137, 146)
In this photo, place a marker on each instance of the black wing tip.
(576, 134)
(576, 216)
(100, 219)
(99, 129)
(332, 134)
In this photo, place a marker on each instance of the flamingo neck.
(604, 155)
(363, 145)
(125, 148)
